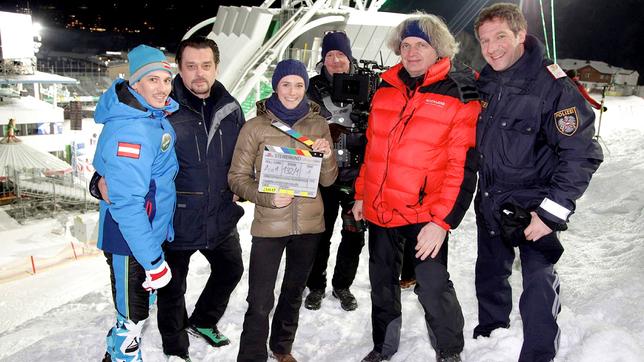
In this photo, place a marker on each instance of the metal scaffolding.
(34, 193)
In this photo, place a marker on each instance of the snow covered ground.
(63, 313)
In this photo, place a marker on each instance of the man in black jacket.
(349, 144)
(207, 125)
(535, 136)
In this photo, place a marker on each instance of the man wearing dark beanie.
(349, 143)
(336, 40)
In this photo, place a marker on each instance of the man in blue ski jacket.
(537, 156)
(136, 156)
(207, 124)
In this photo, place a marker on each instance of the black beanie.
(336, 40)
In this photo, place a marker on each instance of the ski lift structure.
(256, 38)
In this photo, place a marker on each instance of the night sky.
(610, 31)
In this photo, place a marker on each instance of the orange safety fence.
(24, 266)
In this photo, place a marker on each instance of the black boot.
(313, 301)
(374, 356)
(448, 357)
(347, 301)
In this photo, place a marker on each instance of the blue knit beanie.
(336, 40)
(145, 59)
(289, 67)
(413, 29)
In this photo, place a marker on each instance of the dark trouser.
(226, 269)
(265, 257)
(346, 262)
(539, 303)
(409, 254)
(435, 291)
(132, 303)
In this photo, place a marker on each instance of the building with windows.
(596, 75)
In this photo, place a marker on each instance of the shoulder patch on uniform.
(166, 140)
(556, 71)
(567, 121)
(483, 104)
(131, 150)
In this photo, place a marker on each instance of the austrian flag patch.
(131, 150)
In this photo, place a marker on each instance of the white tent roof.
(37, 77)
(21, 156)
(29, 110)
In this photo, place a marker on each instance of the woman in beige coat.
(281, 222)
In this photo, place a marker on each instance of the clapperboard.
(291, 171)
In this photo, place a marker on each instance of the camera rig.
(359, 87)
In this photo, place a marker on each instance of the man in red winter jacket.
(417, 181)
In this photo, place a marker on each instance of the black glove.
(514, 220)
(604, 109)
(93, 186)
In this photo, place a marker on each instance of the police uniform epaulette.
(465, 81)
(555, 70)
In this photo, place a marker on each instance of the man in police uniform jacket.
(537, 156)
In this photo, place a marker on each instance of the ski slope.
(63, 313)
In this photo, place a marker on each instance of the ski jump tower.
(254, 39)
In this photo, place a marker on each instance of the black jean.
(265, 258)
(443, 315)
(346, 262)
(226, 268)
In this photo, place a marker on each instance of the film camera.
(359, 87)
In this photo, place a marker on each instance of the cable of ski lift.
(552, 26)
(545, 30)
(466, 15)
(553, 54)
